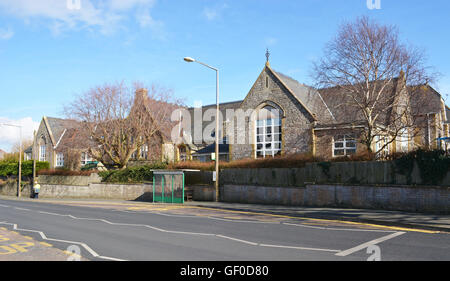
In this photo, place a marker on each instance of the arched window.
(42, 150)
(268, 132)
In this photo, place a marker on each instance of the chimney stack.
(141, 95)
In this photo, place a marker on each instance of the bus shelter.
(168, 186)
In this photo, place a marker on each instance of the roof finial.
(267, 56)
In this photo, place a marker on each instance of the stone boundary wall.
(348, 173)
(398, 198)
(69, 180)
(141, 192)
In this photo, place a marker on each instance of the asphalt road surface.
(144, 231)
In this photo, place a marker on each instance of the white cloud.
(270, 41)
(105, 15)
(214, 13)
(10, 135)
(6, 34)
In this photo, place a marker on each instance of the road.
(143, 231)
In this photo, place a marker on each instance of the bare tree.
(115, 121)
(375, 77)
(25, 144)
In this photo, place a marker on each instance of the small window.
(267, 82)
(182, 153)
(144, 152)
(85, 158)
(344, 145)
(59, 159)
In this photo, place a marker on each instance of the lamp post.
(19, 183)
(216, 183)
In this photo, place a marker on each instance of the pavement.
(388, 218)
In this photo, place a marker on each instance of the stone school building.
(307, 121)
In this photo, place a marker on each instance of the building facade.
(280, 116)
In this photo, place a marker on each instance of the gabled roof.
(28, 149)
(309, 97)
(57, 126)
(337, 97)
(223, 107)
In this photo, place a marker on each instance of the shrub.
(65, 172)
(10, 168)
(433, 165)
(132, 174)
(286, 161)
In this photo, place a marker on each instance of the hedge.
(132, 174)
(8, 168)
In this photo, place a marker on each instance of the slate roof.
(211, 148)
(58, 125)
(336, 98)
(222, 108)
(309, 97)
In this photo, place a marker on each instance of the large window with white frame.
(268, 133)
(59, 159)
(344, 145)
(42, 153)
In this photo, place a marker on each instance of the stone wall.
(348, 173)
(70, 180)
(398, 198)
(411, 199)
(141, 192)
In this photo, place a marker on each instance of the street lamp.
(20, 155)
(189, 59)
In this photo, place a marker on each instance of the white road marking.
(337, 229)
(298, 248)
(367, 244)
(190, 233)
(22, 209)
(212, 218)
(238, 240)
(43, 236)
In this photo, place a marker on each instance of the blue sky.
(49, 53)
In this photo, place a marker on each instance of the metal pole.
(217, 136)
(172, 188)
(188, 59)
(182, 198)
(153, 188)
(19, 181)
(162, 185)
(20, 164)
(33, 151)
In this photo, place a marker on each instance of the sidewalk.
(381, 217)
